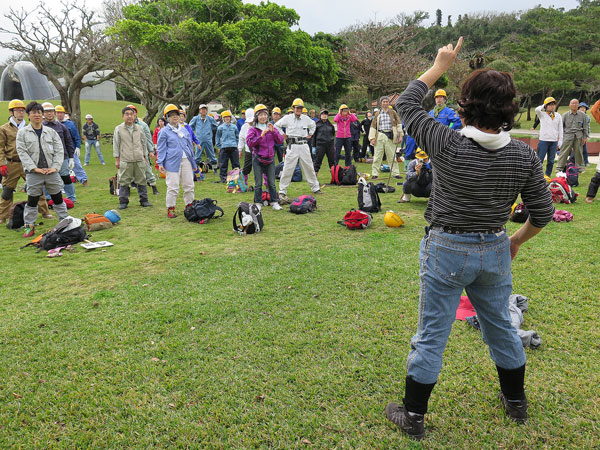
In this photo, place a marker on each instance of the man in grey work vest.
(299, 128)
(574, 136)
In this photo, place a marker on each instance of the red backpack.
(561, 191)
(356, 219)
(337, 173)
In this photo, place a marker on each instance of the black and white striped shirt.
(474, 188)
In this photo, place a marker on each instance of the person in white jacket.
(243, 147)
(551, 132)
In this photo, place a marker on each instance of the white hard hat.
(48, 106)
(203, 106)
(88, 116)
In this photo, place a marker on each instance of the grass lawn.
(191, 336)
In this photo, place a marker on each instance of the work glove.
(314, 150)
(3, 170)
(71, 163)
(78, 152)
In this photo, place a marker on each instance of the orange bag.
(95, 222)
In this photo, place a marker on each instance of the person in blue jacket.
(77, 168)
(242, 120)
(443, 113)
(227, 141)
(203, 126)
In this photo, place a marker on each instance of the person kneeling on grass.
(419, 178)
(130, 152)
(261, 139)
(41, 153)
(175, 158)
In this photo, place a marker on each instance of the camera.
(420, 161)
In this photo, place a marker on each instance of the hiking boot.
(46, 216)
(516, 409)
(171, 212)
(398, 177)
(319, 192)
(411, 424)
(155, 190)
(284, 199)
(85, 183)
(29, 231)
(145, 204)
(123, 205)
(587, 200)
(374, 177)
(276, 206)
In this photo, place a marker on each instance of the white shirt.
(296, 127)
(551, 130)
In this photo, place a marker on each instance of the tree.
(383, 56)
(65, 47)
(438, 17)
(192, 52)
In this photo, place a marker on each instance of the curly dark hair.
(487, 100)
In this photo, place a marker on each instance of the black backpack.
(59, 236)
(303, 204)
(250, 219)
(350, 176)
(15, 216)
(278, 170)
(520, 214)
(368, 198)
(384, 188)
(200, 211)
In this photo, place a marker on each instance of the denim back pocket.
(504, 261)
(450, 263)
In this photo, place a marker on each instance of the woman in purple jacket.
(261, 140)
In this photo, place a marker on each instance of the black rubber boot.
(512, 392)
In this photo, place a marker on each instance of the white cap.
(203, 106)
(250, 115)
(48, 106)
(88, 116)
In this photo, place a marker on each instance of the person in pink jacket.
(343, 136)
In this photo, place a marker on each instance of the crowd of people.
(458, 160)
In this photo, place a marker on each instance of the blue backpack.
(572, 172)
(297, 176)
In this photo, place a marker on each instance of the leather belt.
(453, 230)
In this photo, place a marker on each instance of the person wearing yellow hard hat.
(385, 134)
(299, 128)
(131, 153)
(551, 132)
(176, 159)
(11, 168)
(69, 150)
(343, 136)
(261, 138)
(443, 113)
(279, 148)
(41, 153)
(290, 111)
(479, 172)
(227, 142)
(78, 169)
(419, 178)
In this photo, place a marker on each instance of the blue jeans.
(480, 264)
(210, 152)
(88, 150)
(343, 142)
(269, 171)
(586, 158)
(78, 169)
(549, 148)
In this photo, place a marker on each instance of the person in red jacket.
(344, 134)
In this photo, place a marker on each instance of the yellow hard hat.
(169, 108)
(60, 108)
(243, 111)
(421, 154)
(392, 219)
(549, 100)
(48, 106)
(226, 113)
(297, 102)
(343, 107)
(16, 103)
(260, 107)
(275, 110)
(440, 92)
(290, 110)
(304, 110)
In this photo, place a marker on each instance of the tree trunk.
(74, 105)
(528, 108)
(151, 111)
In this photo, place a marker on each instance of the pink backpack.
(562, 216)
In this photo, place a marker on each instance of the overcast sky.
(333, 15)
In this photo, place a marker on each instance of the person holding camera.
(419, 178)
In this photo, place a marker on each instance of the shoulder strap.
(218, 208)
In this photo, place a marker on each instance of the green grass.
(107, 114)
(191, 336)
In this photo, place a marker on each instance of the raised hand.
(447, 55)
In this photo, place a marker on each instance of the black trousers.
(225, 155)
(356, 150)
(418, 190)
(365, 144)
(594, 185)
(322, 150)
